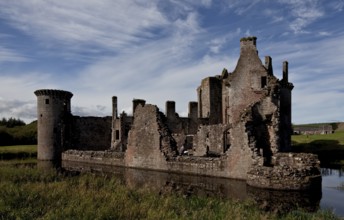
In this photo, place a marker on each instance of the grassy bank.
(329, 147)
(25, 134)
(30, 193)
(18, 152)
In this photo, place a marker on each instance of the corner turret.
(53, 111)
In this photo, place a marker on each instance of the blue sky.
(160, 50)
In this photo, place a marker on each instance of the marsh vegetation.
(28, 192)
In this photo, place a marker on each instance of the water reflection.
(332, 171)
(332, 188)
(186, 185)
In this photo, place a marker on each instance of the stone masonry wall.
(53, 114)
(239, 155)
(210, 99)
(242, 117)
(288, 172)
(244, 86)
(150, 143)
(94, 157)
(209, 140)
(91, 133)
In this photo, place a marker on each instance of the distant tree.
(3, 122)
(11, 122)
(334, 126)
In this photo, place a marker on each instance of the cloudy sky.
(160, 50)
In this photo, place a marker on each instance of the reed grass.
(27, 192)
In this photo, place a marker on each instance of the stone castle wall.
(238, 129)
(91, 133)
(288, 172)
(150, 143)
(210, 99)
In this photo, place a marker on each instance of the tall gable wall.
(248, 82)
(150, 143)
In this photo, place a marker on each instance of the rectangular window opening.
(117, 134)
(47, 101)
(263, 81)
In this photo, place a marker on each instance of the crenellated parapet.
(54, 93)
(252, 40)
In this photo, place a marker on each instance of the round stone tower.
(54, 116)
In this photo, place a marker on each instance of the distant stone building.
(239, 128)
(309, 130)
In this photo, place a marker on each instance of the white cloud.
(304, 13)
(152, 72)
(247, 33)
(136, 67)
(274, 15)
(337, 5)
(109, 24)
(8, 55)
(315, 68)
(17, 93)
(187, 4)
(160, 50)
(25, 110)
(216, 44)
(242, 6)
(324, 33)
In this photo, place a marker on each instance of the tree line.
(11, 122)
(17, 132)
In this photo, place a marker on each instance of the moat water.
(329, 196)
(332, 195)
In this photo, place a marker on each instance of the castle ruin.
(239, 128)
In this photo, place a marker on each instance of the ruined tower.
(285, 110)
(209, 100)
(115, 130)
(53, 114)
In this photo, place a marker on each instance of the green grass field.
(338, 136)
(329, 147)
(18, 152)
(18, 149)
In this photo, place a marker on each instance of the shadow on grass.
(330, 152)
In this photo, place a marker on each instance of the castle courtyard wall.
(91, 133)
(151, 144)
